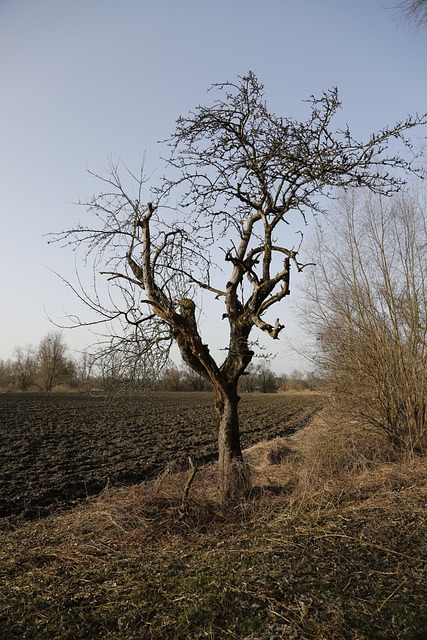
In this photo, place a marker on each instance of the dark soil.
(57, 449)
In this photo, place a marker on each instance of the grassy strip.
(344, 561)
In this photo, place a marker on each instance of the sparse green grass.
(346, 560)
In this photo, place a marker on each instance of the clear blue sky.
(85, 79)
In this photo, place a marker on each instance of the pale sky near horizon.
(83, 80)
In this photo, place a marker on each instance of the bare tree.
(6, 374)
(248, 382)
(52, 364)
(236, 172)
(84, 371)
(414, 11)
(25, 367)
(369, 311)
(171, 379)
(193, 381)
(263, 380)
(120, 365)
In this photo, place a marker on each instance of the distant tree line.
(41, 368)
(259, 379)
(48, 367)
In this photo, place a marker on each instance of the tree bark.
(233, 474)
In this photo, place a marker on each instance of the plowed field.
(58, 449)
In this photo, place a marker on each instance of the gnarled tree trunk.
(233, 474)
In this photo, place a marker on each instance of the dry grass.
(330, 543)
(323, 455)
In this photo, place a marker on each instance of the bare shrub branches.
(371, 321)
